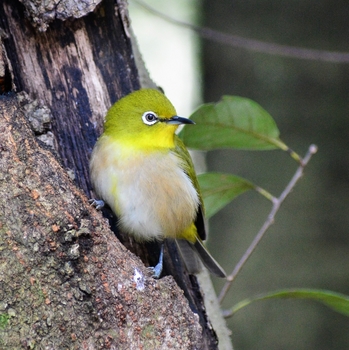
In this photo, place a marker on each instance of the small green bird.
(141, 168)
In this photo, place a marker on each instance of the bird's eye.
(150, 118)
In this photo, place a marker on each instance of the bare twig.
(270, 220)
(255, 45)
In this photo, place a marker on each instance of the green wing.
(186, 248)
(188, 167)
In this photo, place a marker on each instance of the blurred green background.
(308, 246)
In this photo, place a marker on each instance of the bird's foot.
(157, 269)
(97, 203)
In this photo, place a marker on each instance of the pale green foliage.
(219, 189)
(336, 301)
(234, 122)
(240, 123)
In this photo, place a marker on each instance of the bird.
(143, 171)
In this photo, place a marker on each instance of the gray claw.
(157, 269)
(97, 203)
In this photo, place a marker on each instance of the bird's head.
(144, 119)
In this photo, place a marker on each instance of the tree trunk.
(65, 280)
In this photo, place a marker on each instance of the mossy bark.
(66, 282)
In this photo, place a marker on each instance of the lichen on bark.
(42, 12)
(65, 279)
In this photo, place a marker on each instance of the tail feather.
(190, 259)
(192, 252)
(208, 260)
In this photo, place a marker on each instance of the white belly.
(150, 193)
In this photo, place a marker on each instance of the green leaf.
(234, 122)
(336, 301)
(219, 189)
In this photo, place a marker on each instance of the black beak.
(175, 120)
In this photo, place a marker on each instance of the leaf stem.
(265, 194)
(269, 221)
(284, 147)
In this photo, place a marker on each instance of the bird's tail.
(192, 252)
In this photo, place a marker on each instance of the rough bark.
(42, 13)
(66, 281)
(77, 68)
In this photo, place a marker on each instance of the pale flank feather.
(130, 186)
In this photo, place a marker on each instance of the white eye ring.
(150, 118)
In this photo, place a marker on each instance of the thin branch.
(270, 220)
(255, 45)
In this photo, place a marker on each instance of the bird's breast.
(149, 191)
